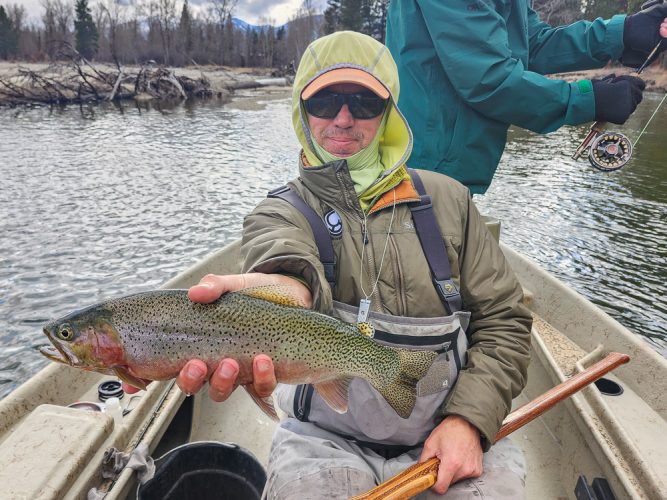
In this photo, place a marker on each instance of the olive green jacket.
(278, 239)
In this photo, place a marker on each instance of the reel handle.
(596, 129)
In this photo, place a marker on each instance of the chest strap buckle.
(449, 294)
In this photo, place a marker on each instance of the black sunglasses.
(362, 105)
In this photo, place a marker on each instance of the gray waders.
(317, 453)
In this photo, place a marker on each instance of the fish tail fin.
(401, 391)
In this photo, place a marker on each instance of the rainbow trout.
(152, 335)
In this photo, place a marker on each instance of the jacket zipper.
(370, 269)
(399, 278)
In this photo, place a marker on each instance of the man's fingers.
(130, 389)
(192, 376)
(264, 377)
(223, 380)
(471, 471)
(445, 477)
(211, 287)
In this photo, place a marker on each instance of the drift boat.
(608, 437)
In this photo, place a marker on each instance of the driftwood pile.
(77, 81)
(80, 82)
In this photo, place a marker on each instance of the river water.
(102, 201)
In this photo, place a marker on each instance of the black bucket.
(205, 470)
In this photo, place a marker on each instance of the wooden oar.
(420, 477)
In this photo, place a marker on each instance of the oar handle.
(421, 476)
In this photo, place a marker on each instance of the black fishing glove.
(641, 33)
(616, 97)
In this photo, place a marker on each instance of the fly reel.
(610, 151)
(606, 151)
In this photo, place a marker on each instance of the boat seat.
(49, 449)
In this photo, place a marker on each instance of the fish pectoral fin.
(265, 404)
(278, 294)
(334, 392)
(128, 378)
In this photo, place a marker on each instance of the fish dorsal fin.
(279, 294)
(366, 329)
(265, 404)
(334, 392)
(128, 378)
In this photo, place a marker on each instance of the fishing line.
(649, 120)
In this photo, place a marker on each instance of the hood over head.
(350, 57)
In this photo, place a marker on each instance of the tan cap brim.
(345, 75)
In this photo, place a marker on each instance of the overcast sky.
(251, 11)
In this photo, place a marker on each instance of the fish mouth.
(54, 354)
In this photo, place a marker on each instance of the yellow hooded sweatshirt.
(348, 49)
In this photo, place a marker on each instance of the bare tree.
(221, 11)
(64, 19)
(206, 36)
(166, 17)
(109, 15)
(267, 43)
(558, 12)
(57, 19)
(302, 29)
(16, 14)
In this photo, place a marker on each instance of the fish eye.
(65, 332)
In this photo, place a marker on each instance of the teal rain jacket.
(471, 68)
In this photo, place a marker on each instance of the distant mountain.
(244, 26)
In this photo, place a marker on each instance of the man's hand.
(222, 381)
(642, 32)
(456, 443)
(617, 97)
(212, 286)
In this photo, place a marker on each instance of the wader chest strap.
(433, 246)
(320, 232)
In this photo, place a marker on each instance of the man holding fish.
(352, 174)
(400, 256)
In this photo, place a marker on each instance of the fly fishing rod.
(609, 150)
(421, 476)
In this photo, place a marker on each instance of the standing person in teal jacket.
(471, 68)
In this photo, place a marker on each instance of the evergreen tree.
(603, 8)
(185, 30)
(332, 16)
(379, 19)
(367, 20)
(351, 15)
(86, 32)
(8, 36)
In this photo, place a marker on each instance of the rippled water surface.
(99, 202)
